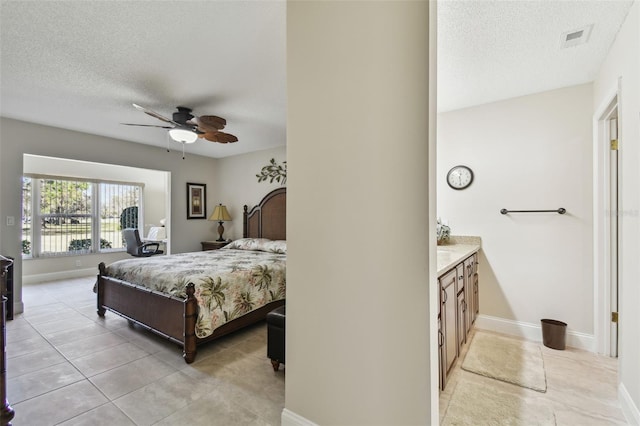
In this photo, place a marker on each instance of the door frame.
(602, 220)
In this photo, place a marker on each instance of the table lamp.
(220, 214)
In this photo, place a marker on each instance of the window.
(69, 217)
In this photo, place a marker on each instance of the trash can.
(554, 333)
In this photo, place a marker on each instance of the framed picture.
(196, 200)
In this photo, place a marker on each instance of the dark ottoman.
(275, 336)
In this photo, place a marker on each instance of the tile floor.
(67, 366)
(581, 387)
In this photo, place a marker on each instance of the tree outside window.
(67, 217)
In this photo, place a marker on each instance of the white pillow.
(259, 244)
(276, 246)
(246, 244)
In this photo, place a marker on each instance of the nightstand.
(213, 245)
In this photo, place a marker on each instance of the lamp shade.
(220, 214)
(183, 135)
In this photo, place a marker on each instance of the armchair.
(137, 248)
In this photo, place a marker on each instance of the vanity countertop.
(449, 255)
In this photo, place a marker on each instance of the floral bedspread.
(228, 283)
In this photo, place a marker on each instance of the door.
(608, 222)
(614, 207)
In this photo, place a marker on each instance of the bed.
(181, 316)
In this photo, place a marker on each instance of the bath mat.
(471, 402)
(507, 359)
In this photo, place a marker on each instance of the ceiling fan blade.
(155, 114)
(226, 137)
(211, 122)
(147, 125)
(220, 137)
(210, 136)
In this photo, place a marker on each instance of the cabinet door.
(476, 294)
(461, 328)
(440, 354)
(475, 309)
(460, 322)
(468, 286)
(448, 318)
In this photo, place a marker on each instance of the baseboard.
(533, 332)
(289, 418)
(18, 308)
(62, 275)
(629, 408)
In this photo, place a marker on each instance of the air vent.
(575, 37)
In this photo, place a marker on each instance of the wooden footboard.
(168, 316)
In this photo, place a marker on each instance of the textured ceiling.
(81, 64)
(493, 50)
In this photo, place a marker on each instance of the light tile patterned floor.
(66, 365)
(581, 387)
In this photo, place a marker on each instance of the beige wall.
(623, 62)
(358, 349)
(238, 185)
(531, 152)
(18, 138)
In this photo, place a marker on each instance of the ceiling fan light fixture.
(182, 129)
(183, 135)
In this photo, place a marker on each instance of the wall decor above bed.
(273, 171)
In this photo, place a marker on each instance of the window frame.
(97, 204)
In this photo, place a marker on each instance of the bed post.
(245, 222)
(100, 290)
(190, 317)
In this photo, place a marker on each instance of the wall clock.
(460, 177)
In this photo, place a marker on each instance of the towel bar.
(559, 211)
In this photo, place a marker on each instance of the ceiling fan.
(187, 128)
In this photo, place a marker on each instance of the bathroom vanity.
(458, 299)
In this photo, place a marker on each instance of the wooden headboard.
(269, 218)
